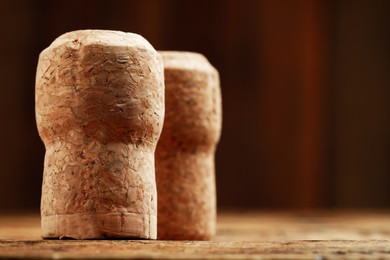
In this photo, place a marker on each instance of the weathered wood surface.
(283, 235)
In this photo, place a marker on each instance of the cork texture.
(185, 168)
(99, 112)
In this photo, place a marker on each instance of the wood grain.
(245, 235)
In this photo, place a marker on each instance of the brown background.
(305, 84)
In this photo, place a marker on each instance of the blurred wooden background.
(305, 84)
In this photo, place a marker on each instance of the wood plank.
(138, 249)
(244, 235)
(292, 103)
(304, 225)
(361, 102)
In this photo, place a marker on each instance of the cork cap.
(185, 152)
(99, 111)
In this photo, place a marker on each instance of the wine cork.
(185, 170)
(99, 112)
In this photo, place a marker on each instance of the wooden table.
(243, 235)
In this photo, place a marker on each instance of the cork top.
(75, 39)
(185, 60)
(101, 83)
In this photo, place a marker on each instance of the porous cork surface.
(185, 170)
(99, 112)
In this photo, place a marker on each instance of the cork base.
(99, 226)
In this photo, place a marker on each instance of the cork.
(99, 112)
(185, 170)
